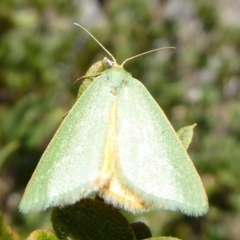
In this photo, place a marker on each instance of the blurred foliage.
(6, 232)
(42, 53)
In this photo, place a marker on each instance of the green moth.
(117, 141)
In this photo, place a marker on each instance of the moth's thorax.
(117, 78)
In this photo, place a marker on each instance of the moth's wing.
(152, 161)
(69, 169)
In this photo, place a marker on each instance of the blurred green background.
(42, 53)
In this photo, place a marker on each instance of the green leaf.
(185, 134)
(163, 238)
(42, 235)
(91, 219)
(141, 230)
(95, 70)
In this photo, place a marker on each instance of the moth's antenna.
(114, 60)
(154, 50)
